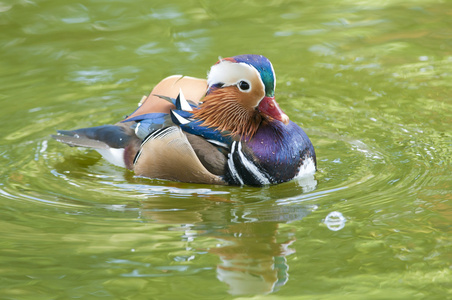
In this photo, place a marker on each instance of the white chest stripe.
(246, 163)
(231, 166)
(251, 167)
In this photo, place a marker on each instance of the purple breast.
(280, 149)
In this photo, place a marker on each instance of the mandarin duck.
(229, 131)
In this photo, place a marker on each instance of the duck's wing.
(168, 154)
(194, 89)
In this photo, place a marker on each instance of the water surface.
(370, 82)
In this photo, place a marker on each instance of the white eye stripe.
(230, 74)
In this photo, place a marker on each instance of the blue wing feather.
(147, 123)
(196, 127)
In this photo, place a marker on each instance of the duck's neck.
(222, 111)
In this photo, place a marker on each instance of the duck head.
(240, 96)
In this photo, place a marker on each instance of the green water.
(369, 81)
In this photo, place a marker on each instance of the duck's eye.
(243, 85)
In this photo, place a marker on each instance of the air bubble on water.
(335, 221)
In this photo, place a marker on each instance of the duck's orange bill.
(268, 106)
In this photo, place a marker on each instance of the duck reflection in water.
(252, 263)
(252, 249)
